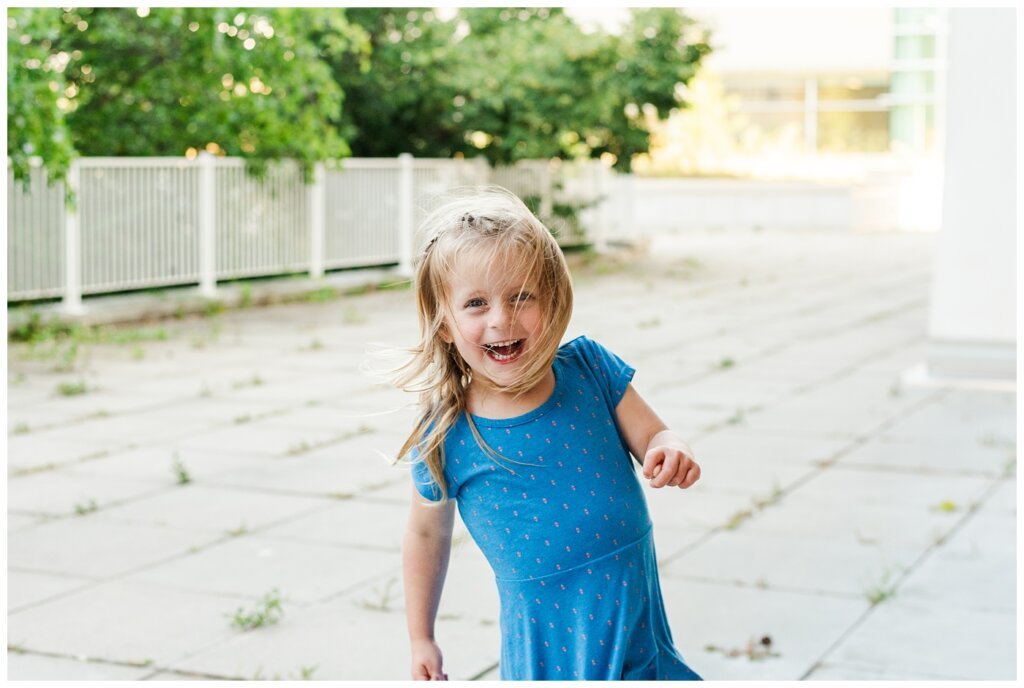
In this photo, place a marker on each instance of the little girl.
(533, 441)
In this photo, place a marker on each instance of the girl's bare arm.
(425, 552)
(666, 458)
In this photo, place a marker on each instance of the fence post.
(317, 215)
(625, 190)
(72, 302)
(207, 226)
(405, 215)
(546, 192)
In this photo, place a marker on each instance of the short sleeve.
(422, 479)
(612, 373)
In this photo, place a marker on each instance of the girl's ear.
(444, 333)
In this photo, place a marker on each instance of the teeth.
(508, 343)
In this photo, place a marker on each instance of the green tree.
(401, 99)
(169, 81)
(35, 86)
(514, 83)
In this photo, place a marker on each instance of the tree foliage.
(35, 83)
(316, 84)
(172, 81)
(515, 83)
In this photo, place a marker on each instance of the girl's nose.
(500, 316)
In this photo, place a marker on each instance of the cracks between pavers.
(226, 537)
(937, 544)
(781, 493)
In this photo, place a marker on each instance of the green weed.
(726, 363)
(246, 292)
(239, 531)
(71, 389)
(22, 429)
(380, 599)
(244, 418)
(736, 519)
(352, 316)
(268, 611)
(213, 307)
(736, 418)
(300, 448)
(254, 381)
(876, 593)
(773, 497)
(180, 472)
(321, 295)
(83, 508)
(647, 324)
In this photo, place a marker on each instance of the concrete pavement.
(212, 501)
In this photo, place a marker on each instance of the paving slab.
(920, 639)
(351, 522)
(960, 456)
(342, 640)
(779, 563)
(939, 492)
(710, 621)
(63, 493)
(25, 588)
(253, 565)
(82, 545)
(206, 509)
(30, 667)
(124, 621)
(161, 463)
(343, 469)
(739, 441)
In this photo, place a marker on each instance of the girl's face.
(494, 317)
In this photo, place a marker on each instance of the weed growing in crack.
(380, 599)
(268, 611)
(876, 593)
(180, 472)
(71, 389)
(87, 507)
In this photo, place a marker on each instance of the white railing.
(141, 223)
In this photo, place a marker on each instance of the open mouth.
(503, 352)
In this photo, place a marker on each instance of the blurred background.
(799, 224)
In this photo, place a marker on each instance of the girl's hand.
(670, 466)
(426, 661)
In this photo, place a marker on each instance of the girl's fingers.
(692, 476)
(668, 470)
(652, 462)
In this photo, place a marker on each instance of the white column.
(406, 230)
(972, 323)
(72, 302)
(207, 226)
(317, 214)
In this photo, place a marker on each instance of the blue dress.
(563, 522)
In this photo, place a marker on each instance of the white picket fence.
(142, 223)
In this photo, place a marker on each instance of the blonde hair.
(493, 224)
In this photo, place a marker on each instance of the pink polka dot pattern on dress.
(569, 539)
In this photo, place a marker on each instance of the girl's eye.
(474, 303)
(523, 296)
